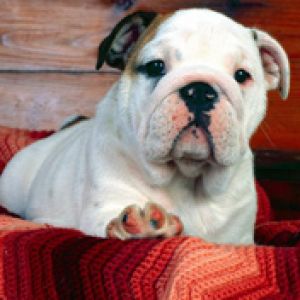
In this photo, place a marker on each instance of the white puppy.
(171, 138)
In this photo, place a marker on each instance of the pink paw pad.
(152, 221)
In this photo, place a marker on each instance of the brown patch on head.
(147, 36)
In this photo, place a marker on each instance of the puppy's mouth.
(192, 140)
(196, 130)
(192, 149)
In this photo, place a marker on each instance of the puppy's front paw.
(152, 221)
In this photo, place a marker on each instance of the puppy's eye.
(154, 68)
(241, 76)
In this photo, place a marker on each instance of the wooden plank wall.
(48, 52)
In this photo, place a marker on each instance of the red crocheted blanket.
(40, 262)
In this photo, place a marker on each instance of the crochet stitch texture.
(43, 262)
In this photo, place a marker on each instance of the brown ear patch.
(147, 36)
(116, 47)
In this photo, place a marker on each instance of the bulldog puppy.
(168, 149)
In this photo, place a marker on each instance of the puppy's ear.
(275, 62)
(115, 48)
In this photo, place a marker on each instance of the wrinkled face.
(197, 91)
(193, 89)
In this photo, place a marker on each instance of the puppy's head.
(193, 88)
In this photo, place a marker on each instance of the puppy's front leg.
(133, 221)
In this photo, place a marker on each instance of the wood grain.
(42, 34)
(63, 36)
(47, 35)
(42, 101)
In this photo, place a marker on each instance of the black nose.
(198, 96)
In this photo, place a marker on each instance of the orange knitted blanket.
(42, 262)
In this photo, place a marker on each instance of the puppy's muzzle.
(200, 98)
(193, 113)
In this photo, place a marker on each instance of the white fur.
(84, 176)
